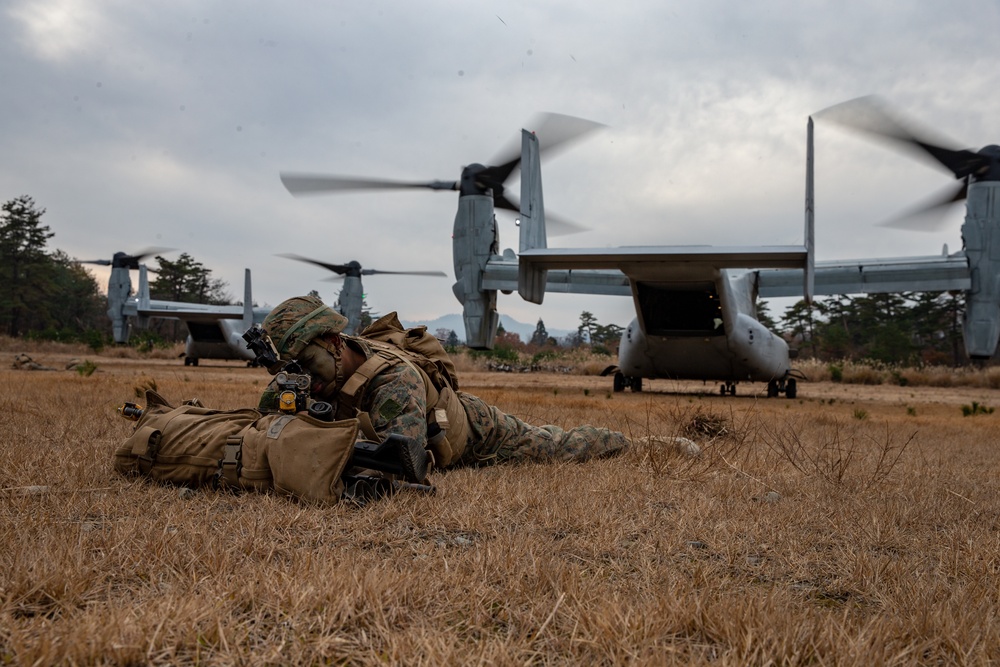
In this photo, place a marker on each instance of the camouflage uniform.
(396, 402)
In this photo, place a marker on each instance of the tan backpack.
(448, 427)
(194, 446)
(427, 351)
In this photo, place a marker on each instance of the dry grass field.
(854, 525)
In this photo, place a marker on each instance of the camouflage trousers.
(496, 437)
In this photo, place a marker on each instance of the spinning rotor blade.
(125, 260)
(373, 272)
(871, 116)
(309, 184)
(354, 268)
(930, 216)
(336, 268)
(553, 131)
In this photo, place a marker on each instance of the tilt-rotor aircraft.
(214, 332)
(350, 301)
(694, 319)
(695, 305)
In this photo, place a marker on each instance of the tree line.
(900, 328)
(45, 294)
(909, 328)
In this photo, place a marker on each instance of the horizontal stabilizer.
(191, 311)
(646, 258)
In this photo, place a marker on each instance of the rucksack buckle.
(231, 463)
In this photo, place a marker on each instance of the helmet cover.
(295, 322)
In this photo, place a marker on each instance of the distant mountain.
(454, 323)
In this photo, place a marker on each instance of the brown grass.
(855, 525)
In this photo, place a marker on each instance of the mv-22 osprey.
(216, 332)
(695, 305)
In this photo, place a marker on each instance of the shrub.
(976, 409)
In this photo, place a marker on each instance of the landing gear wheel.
(791, 389)
(190, 361)
(772, 389)
(636, 384)
(618, 383)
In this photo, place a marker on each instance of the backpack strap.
(384, 356)
(352, 391)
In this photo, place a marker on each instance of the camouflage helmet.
(295, 322)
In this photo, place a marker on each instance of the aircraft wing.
(647, 259)
(190, 311)
(931, 273)
(653, 263)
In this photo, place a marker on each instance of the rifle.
(397, 455)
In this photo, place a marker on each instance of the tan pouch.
(306, 457)
(448, 413)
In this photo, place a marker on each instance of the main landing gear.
(620, 381)
(727, 388)
(788, 387)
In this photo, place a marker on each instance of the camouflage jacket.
(396, 402)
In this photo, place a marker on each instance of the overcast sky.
(138, 124)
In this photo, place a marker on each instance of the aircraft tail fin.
(530, 279)
(247, 301)
(119, 291)
(810, 231)
(143, 288)
(142, 299)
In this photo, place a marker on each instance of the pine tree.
(188, 281)
(588, 323)
(22, 261)
(541, 336)
(800, 321)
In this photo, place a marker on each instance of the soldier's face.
(322, 366)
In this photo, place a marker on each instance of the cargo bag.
(194, 446)
(304, 457)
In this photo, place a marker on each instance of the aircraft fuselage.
(701, 330)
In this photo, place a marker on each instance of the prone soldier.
(390, 394)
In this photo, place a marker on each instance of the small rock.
(695, 544)
(687, 447)
(185, 493)
(772, 497)
(23, 362)
(677, 444)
